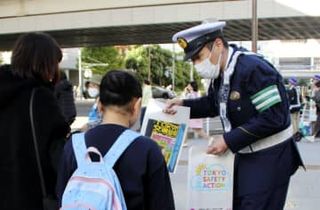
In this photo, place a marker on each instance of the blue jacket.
(252, 74)
(253, 116)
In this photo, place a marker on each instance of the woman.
(34, 66)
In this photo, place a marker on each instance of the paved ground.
(304, 190)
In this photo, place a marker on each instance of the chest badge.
(234, 95)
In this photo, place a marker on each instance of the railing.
(298, 67)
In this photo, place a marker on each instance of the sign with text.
(210, 180)
(169, 131)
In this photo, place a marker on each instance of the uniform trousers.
(261, 178)
(268, 200)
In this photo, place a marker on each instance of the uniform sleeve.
(268, 95)
(158, 187)
(202, 107)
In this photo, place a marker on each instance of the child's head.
(120, 91)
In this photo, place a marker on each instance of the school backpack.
(95, 185)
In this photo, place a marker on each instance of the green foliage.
(182, 74)
(159, 60)
(139, 58)
(101, 59)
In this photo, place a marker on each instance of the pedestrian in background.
(94, 116)
(34, 69)
(295, 105)
(191, 92)
(146, 96)
(65, 96)
(93, 92)
(316, 98)
(85, 90)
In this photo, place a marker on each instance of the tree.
(159, 60)
(137, 60)
(101, 59)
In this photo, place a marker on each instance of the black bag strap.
(35, 142)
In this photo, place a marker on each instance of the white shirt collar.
(230, 52)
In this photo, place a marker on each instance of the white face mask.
(208, 70)
(93, 92)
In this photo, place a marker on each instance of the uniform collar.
(230, 53)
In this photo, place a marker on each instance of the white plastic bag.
(210, 180)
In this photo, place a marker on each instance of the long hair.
(37, 56)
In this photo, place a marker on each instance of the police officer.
(248, 94)
(295, 105)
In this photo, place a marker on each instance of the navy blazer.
(257, 107)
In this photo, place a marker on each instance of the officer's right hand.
(170, 104)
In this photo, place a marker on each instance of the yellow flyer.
(169, 131)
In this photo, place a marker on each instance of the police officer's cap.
(193, 39)
(316, 77)
(293, 81)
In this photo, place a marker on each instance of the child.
(141, 169)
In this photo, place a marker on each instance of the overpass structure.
(77, 23)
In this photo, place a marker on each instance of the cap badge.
(234, 95)
(182, 42)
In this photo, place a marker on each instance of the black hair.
(118, 88)
(37, 56)
(63, 75)
(194, 85)
(86, 84)
(147, 82)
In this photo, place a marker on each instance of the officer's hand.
(217, 145)
(170, 104)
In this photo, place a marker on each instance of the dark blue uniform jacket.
(267, 168)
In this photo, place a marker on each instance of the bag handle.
(34, 137)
